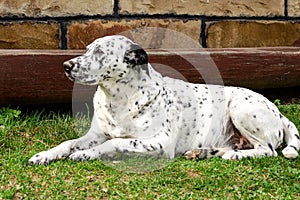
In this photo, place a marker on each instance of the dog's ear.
(136, 55)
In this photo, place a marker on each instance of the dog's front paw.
(84, 155)
(42, 158)
(45, 157)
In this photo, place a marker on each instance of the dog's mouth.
(81, 79)
(75, 77)
(91, 82)
(70, 76)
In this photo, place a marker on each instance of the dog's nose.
(68, 66)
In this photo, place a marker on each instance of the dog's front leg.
(94, 137)
(154, 146)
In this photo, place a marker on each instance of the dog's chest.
(123, 117)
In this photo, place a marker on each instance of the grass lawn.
(22, 135)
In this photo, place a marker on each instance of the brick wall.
(72, 24)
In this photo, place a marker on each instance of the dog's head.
(108, 58)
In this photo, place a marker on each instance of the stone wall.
(72, 24)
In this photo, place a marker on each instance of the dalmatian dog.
(137, 110)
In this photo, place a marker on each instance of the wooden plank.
(37, 76)
(33, 77)
(258, 68)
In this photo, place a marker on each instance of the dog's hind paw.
(290, 152)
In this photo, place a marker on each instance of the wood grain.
(37, 76)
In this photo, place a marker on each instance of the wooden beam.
(37, 76)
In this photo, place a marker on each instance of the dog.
(137, 110)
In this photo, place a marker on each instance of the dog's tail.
(291, 137)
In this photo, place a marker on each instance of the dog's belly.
(201, 127)
(204, 114)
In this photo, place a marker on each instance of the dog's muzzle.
(68, 66)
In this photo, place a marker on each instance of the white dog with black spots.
(137, 110)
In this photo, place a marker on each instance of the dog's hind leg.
(258, 121)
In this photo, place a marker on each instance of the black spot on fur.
(293, 147)
(214, 152)
(134, 143)
(153, 148)
(271, 147)
(160, 146)
(279, 134)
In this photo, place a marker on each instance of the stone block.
(150, 33)
(204, 7)
(29, 35)
(294, 8)
(40, 8)
(223, 34)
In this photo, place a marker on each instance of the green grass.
(22, 135)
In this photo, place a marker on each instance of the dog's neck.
(134, 81)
